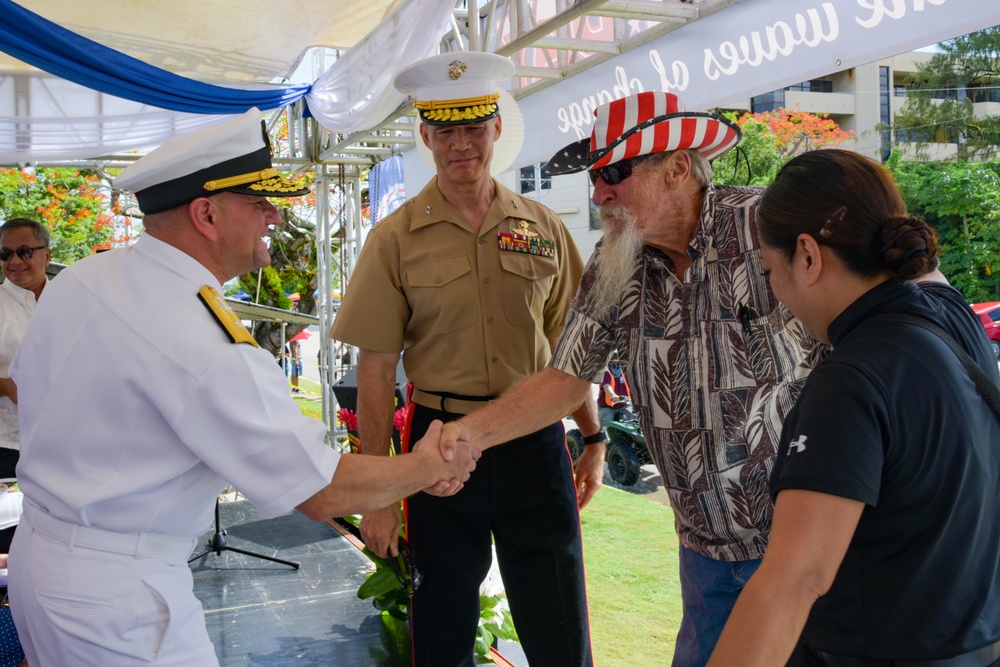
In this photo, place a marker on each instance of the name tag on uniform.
(521, 239)
(225, 316)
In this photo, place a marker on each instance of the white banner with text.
(747, 49)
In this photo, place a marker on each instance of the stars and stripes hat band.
(644, 123)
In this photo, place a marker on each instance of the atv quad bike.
(627, 449)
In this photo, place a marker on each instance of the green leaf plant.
(389, 588)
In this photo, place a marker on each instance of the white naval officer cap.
(234, 156)
(456, 88)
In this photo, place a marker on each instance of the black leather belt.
(458, 404)
(979, 658)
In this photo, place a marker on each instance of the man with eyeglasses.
(24, 255)
(713, 360)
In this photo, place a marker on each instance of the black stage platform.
(269, 615)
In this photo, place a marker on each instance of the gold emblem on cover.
(456, 69)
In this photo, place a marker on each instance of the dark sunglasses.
(615, 173)
(406, 571)
(24, 252)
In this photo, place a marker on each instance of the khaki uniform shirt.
(470, 317)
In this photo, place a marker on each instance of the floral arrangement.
(349, 420)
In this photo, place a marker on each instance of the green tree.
(292, 270)
(959, 200)
(74, 203)
(942, 94)
(757, 159)
(772, 137)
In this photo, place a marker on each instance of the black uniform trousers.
(523, 493)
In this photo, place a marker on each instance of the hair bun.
(909, 247)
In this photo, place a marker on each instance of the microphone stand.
(218, 545)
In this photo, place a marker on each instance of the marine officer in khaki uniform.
(472, 282)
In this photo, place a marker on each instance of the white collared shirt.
(136, 408)
(17, 305)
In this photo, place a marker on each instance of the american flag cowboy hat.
(644, 123)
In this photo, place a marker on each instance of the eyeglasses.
(24, 252)
(615, 173)
(406, 571)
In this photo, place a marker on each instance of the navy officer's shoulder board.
(225, 316)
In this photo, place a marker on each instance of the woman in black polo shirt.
(885, 544)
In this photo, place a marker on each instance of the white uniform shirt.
(135, 406)
(17, 305)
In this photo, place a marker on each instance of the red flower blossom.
(348, 418)
(399, 419)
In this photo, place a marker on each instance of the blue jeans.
(709, 589)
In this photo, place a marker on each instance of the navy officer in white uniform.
(142, 395)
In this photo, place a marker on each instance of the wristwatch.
(595, 438)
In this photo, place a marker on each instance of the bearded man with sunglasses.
(24, 255)
(713, 360)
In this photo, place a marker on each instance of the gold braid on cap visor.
(276, 184)
(242, 179)
(449, 111)
(266, 180)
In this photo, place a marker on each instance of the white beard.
(618, 261)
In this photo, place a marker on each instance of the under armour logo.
(797, 445)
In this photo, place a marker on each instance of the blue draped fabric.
(49, 47)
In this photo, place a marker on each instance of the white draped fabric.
(356, 93)
(70, 122)
(47, 119)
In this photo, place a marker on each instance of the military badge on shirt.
(521, 238)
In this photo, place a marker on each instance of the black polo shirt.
(892, 419)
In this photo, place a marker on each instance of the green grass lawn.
(307, 402)
(633, 586)
(310, 408)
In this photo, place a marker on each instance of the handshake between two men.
(461, 442)
(363, 484)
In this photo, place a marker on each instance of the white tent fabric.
(69, 122)
(357, 92)
(215, 41)
(45, 118)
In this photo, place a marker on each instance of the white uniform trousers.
(85, 597)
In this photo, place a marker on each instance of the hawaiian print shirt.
(714, 363)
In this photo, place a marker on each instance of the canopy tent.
(69, 90)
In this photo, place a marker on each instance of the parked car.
(989, 315)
